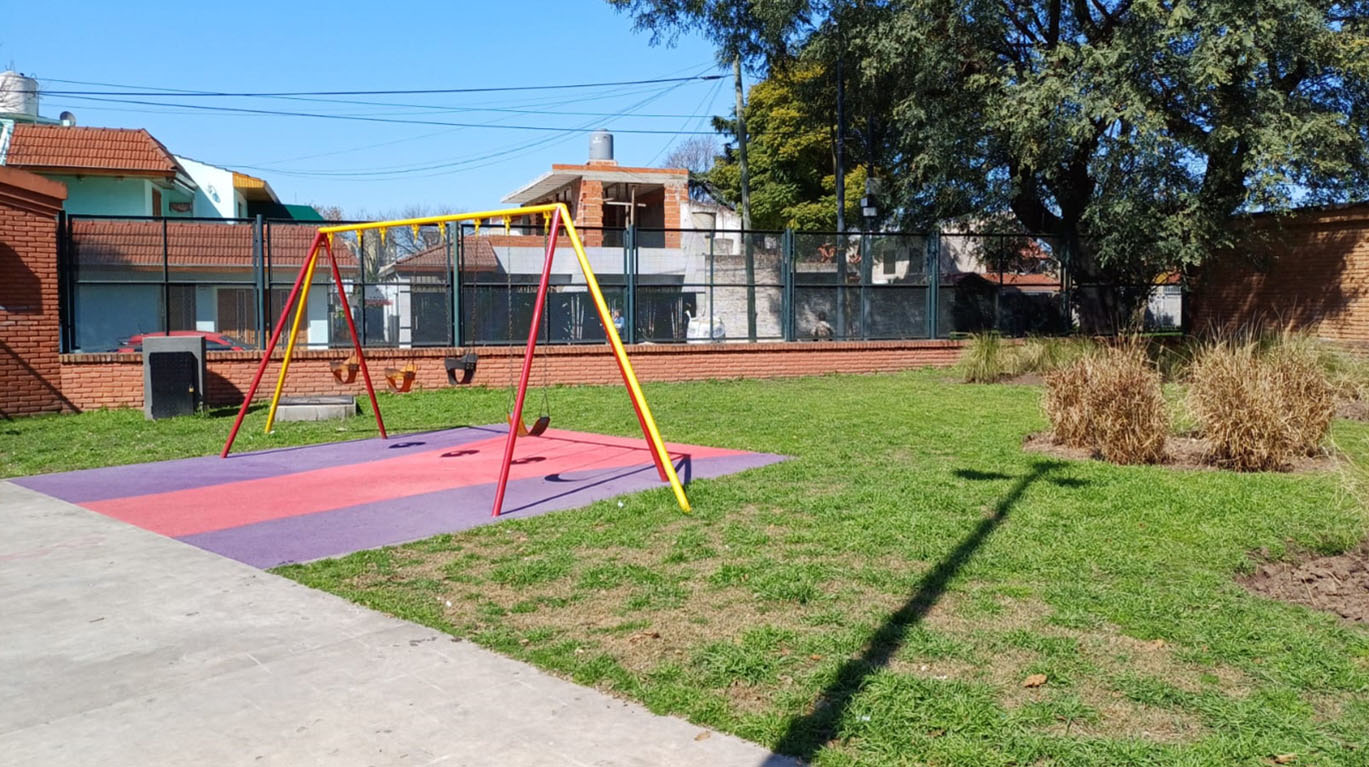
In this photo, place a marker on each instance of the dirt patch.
(1180, 453)
(1337, 584)
(1353, 409)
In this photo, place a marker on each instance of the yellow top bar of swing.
(448, 218)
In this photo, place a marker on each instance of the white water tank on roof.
(600, 145)
(18, 94)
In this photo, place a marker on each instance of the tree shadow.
(808, 734)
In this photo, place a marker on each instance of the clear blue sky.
(368, 167)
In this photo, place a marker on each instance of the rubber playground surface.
(273, 507)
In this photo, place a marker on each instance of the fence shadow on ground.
(810, 733)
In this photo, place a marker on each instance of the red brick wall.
(115, 380)
(30, 373)
(1309, 272)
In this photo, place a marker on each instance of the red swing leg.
(356, 342)
(516, 418)
(271, 345)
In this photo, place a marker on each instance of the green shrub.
(987, 358)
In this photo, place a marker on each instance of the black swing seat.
(539, 426)
(465, 365)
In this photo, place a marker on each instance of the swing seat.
(465, 365)
(536, 430)
(401, 380)
(345, 371)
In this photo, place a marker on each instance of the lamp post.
(870, 212)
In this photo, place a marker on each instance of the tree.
(1133, 130)
(793, 132)
(697, 154)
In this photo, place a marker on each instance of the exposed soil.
(1353, 409)
(1180, 453)
(1338, 584)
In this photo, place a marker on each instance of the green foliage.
(987, 358)
(791, 126)
(1132, 129)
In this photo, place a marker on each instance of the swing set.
(347, 369)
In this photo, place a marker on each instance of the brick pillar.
(590, 212)
(675, 195)
(30, 329)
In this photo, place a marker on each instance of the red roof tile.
(478, 256)
(190, 245)
(76, 148)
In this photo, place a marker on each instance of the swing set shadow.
(808, 734)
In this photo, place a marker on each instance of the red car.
(213, 342)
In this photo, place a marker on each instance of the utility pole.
(746, 203)
(741, 141)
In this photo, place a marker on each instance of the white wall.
(215, 197)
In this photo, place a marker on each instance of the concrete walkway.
(121, 647)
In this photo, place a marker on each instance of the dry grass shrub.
(1297, 374)
(1111, 402)
(1260, 408)
(1066, 391)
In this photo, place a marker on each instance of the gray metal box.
(173, 375)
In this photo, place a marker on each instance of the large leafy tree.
(1133, 130)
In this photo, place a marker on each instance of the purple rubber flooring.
(297, 504)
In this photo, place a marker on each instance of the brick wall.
(1308, 271)
(30, 372)
(115, 380)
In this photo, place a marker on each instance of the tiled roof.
(478, 256)
(194, 245)
(75, 148)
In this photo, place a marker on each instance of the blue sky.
(369, 167)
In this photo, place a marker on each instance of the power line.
(471, 162)
(168, 93)
(363, 118)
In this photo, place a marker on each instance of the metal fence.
(450, 285)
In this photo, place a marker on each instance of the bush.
(1046, 354)
(986, 359)
(1066, 391)
(1309, 401)
(1260, 406)
(1111, 402)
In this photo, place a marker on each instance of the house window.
(157, 203)
(181, 307)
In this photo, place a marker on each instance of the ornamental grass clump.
(1112, 403)
(1064, 404)
(986, 359)
(1259, 409)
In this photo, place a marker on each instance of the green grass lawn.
(880, 598)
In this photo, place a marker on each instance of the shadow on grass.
(808, 734)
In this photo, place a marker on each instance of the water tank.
(600, 145)
(18, 94)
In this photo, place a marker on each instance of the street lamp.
(868, 208)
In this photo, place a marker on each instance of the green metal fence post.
(258, 277)
(454, 263)
(866, 276)
(933, 248)
(630, 310)
(787, 264)
(750, 286)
